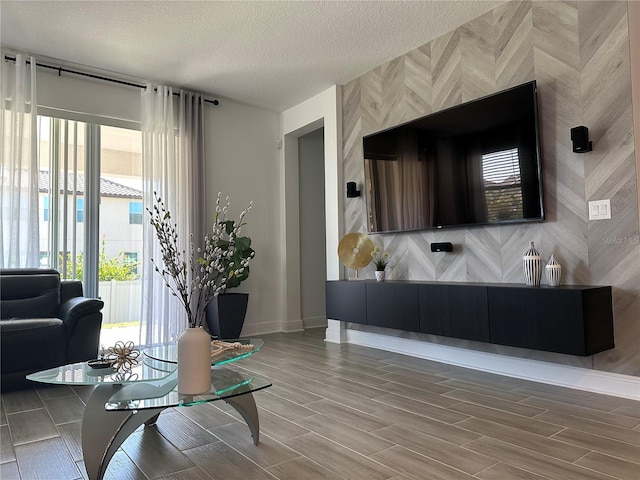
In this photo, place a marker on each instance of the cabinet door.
(393, 305)
(538, 318)
(459, 311)
(346, 301)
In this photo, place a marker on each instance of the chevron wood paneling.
(578, 53)
(514, 42)
(478, 57)
(371, 101)
(393, 93)
(613, 245)
(446, 72)
(418, 87)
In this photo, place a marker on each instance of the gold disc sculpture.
(354, 250)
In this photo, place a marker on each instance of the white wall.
(243, 163)
(324, 109)
(313, 261)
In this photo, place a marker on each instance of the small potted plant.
(380, 260)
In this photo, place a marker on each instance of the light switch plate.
(600, 209)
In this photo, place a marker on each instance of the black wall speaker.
(580, 139)
(351, 190)
(442, 247)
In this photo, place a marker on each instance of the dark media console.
(576, 320)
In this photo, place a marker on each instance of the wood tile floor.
(345, 412)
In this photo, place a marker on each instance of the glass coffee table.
(123, 400)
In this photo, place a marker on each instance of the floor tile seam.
(598, 472)
(589, 412)
(506, 425)
(316, 412)
(22, 444)
(524, 417)
(553, 398)
(308, 460)
(426, 402)
(400, 381)
(421, 414)
(410, 361)
(414, 371)
(446, 394)
(476, 386)
(544, 457)
(422, 402)
(249, 458)
(346, 446)
(524, 468)
(411, 388)
(436, 460)
(289, 421)
(455, 445)
(352, 451)
(202, 426)
(19, 412)
(584, 430)
(606, 439)
(186, 469)
(537, 437)
(216, 439)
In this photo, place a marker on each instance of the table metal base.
(104, 431)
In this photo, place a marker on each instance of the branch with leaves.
(198, 276)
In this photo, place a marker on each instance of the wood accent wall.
(579, 54)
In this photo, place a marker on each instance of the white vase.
(194, 361)
(554, 272)
(532, 266)
(380, 275)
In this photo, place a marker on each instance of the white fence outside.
(122, 301)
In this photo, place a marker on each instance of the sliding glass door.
(90, 187)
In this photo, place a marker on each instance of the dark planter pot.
(225, 315)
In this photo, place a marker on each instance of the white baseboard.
(258, 329)
(596, 381)
(314, 322)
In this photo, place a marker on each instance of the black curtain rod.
(98, 77)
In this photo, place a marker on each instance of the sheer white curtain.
(173, 166)
(19, 234)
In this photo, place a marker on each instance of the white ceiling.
(269, 54)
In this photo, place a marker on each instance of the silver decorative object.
(532, 266)
(554, 272)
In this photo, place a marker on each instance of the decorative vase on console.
(532, 266)
(380, 260)
(554, 272)
(196, 276)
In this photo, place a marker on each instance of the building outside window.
(135, 213)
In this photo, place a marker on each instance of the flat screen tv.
(473, 164)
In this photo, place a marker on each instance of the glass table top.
(82, 374)
(153, 381)
(225, 383)
(222, 351)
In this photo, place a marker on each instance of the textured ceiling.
(269, 54)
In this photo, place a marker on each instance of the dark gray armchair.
(44, 323)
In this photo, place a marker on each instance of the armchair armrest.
(73, 309)
(70, 289)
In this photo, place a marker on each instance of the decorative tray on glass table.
(222, 351)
